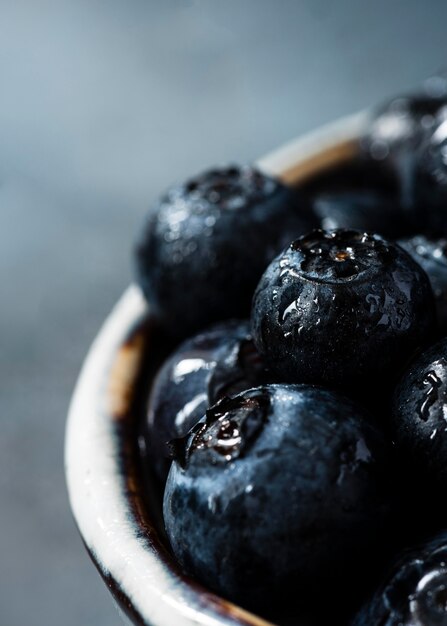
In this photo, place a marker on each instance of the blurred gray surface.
(102, 105)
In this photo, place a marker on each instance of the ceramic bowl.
(115, 505)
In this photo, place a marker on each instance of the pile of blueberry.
(299, 429)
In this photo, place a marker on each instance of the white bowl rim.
(99, 497)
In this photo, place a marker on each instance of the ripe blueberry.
(414, 592)
(431, 254)
(219, 361)
(278, 495)
(419, 415)
(398, 128)
(208, 242)
(431, 180)
(341, 308)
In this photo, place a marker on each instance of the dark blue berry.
(431, 180)
(362, 209)
(219, 361)
(208, 241)
(398, 128)
(414, 592)
(431, 254)
(420, 412)
(278, 496)
(341, 308)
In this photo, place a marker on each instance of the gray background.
(102, 105)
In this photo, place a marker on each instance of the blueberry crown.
(336, 255)
(229, 428)
(229, 188)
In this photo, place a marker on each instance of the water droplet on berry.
(431, 383)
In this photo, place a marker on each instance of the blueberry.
(415, 590)
(207, 243)
(362, 209)
(400, 122)
(341, 308)
(419, 415)
(431, 180)
(219, 361)
(431, 254)
(278, 496)
(397, 129)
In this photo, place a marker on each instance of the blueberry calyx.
(231, 186)
(228, 429)
(339, 255)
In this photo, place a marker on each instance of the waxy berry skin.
(431, 181)
(414, 592)
(341, 308)
(419, 415)
(400, 123)
(207, 243)
(397, 130)
(431, 255)
(221, 360)
(278, 493)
